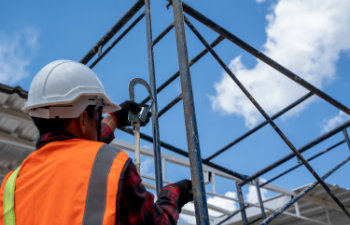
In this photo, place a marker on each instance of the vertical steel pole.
(137, 147)
(213, 182)
(261, 203)
(241, 204)
(200, 201)
(152, 80)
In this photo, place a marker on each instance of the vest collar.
(52, 136)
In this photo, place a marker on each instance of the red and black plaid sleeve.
(136, 205)
(107, 134)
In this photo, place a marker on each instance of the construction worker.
(74, 176)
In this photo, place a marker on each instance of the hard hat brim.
(71, 109)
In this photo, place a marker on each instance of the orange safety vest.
(72, 182)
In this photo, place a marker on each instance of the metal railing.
(196, 163)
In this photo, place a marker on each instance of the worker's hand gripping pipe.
(139, 118)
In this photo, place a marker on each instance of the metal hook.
(137, 118)
(142, 115)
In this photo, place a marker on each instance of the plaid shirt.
(135, 204)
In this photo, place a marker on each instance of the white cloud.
(260, 1)
(216, 201)
(304, 36)
(331, 123)
(188, 218)
(226, 204)
(147, 167)
(15, 54)
(223, 203)
(252, 195)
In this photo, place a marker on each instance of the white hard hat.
(63, 89)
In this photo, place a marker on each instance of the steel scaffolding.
(194, 153)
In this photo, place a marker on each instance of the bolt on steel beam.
(212, 25)
(116, 27)
(152, 80)
(265, 115)
(200, 202)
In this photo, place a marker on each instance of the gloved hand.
(121, 116)
(186, 193)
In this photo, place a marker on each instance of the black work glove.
(121, 116)
(186, 193)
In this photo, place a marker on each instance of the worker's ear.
(83, 122)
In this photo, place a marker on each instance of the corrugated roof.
(17, 131)
(11, 90)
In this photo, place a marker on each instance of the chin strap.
(99, 123)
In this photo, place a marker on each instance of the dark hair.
(57, 125)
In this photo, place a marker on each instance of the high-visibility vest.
(72, 182)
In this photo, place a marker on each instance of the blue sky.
(308, 37)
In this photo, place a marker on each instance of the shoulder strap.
(9, 198)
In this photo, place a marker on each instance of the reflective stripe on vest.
(97, 189)
(9, 198)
